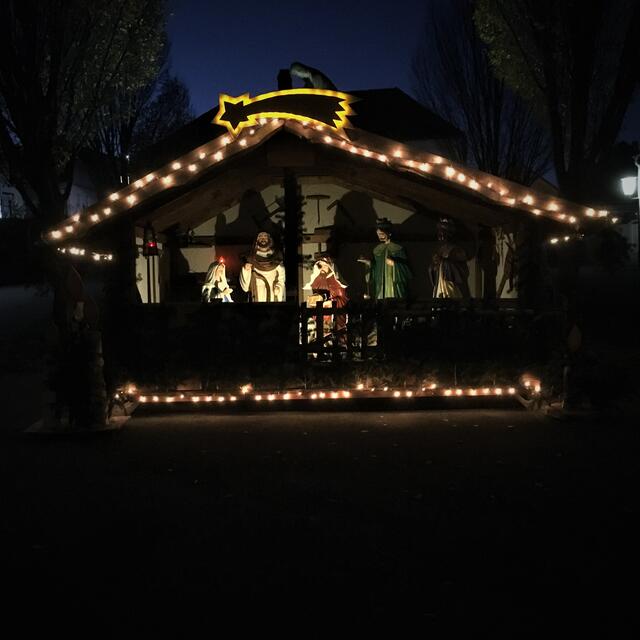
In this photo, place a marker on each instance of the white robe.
(275, 276)
(216, 286)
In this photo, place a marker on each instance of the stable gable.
(390, 169)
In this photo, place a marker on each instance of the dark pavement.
(494, 520)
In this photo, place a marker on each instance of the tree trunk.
(75, 372)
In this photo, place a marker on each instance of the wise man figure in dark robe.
(388, 273)
(263, 275)
(449, 271)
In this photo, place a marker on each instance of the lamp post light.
(630, 188)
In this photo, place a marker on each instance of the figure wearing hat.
(449, 271)
(388, 274)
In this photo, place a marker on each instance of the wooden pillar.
(529, 239)
(121, 287)
(120, 297)
(292, 233)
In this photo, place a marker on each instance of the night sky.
(359, 45)
(238, 47)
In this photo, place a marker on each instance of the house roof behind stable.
(393, 114)
(390, 113)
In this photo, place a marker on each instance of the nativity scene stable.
(316, 226)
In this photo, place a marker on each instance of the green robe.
(385, 281)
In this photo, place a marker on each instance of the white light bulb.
(629, 185)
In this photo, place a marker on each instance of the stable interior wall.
(508, 292)
(336, 220)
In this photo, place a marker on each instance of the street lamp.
(630, 188)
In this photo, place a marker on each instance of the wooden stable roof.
(213, 177)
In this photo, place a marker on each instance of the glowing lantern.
(150, 244)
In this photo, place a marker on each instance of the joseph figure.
(263, 275)
(388, 274)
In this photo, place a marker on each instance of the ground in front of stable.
(494, 518)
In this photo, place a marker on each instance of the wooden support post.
(320, 326)
(334, 334)
(349, 337)
(292, 232)
(304, 331)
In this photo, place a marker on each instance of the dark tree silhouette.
(60, 61)
(578, 62)
(138, 116)
(453, 77)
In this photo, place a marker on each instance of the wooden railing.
(433, 326)
(168, 342)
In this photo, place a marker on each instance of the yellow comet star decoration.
(299, 104)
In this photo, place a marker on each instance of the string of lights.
(81, 252)
(399, 157)
(432, 391)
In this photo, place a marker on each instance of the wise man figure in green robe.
(388, 274)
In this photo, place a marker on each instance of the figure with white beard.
(263, 275)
